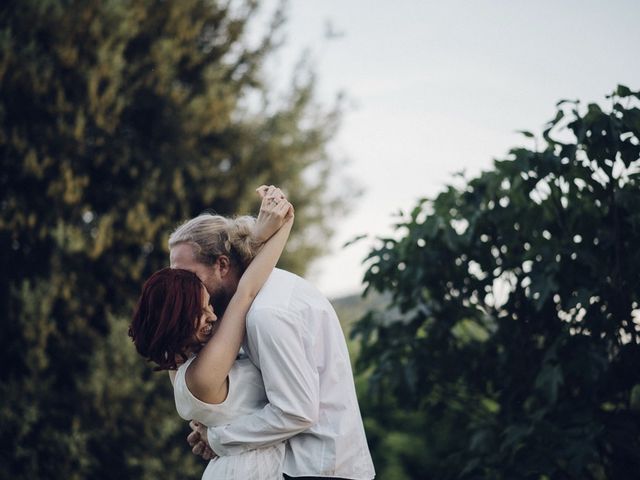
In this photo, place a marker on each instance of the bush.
(516, 307)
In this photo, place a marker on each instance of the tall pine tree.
(119, 119)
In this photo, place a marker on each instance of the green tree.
(118, 120)
(515, 321)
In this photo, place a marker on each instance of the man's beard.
(219, 300)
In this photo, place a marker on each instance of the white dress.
(246, 395)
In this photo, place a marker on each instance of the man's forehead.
(181, 254)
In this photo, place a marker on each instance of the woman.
(174, 326)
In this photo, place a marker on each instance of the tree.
(515, 307)
(118, 120)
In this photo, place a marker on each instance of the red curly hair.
(165, 318)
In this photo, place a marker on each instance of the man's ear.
(224, 265)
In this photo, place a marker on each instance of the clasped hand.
(275, 210)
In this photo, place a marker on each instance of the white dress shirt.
(295, 339)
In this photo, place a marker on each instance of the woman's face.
(206, 323)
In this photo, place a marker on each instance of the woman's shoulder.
(182, 367)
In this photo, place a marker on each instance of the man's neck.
(229, 287)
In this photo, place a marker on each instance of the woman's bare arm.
(207, 375)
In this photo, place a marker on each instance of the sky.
(435, 88)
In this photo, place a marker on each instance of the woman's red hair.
(165, 319)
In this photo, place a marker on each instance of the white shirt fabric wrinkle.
(295, 339)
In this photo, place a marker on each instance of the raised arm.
(207, 375)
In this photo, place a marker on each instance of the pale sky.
(438, 87)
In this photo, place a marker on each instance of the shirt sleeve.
(277, 345)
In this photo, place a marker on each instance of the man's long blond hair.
(214, 235)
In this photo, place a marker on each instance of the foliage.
(515, 296)
(118, 120)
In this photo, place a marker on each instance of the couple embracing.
(256, 354)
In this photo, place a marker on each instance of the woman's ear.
(224, 265)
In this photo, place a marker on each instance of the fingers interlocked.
(274, 211)
(271, 192)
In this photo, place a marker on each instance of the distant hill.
(351, 308)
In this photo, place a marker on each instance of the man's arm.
(276, 340)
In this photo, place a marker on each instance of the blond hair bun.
(215, 235)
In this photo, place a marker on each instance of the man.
(295, 339)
